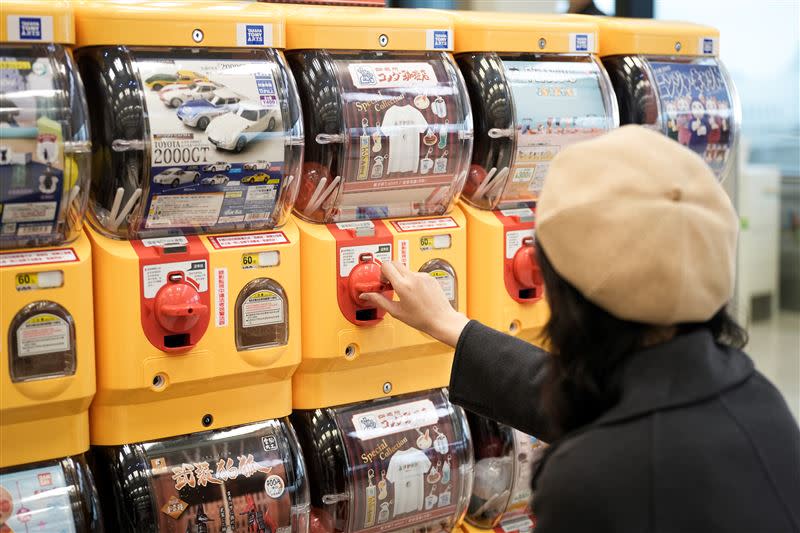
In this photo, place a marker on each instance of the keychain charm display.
(439, 108)
(443, 135)
(369, 518)
(376, 138)
(440, 166)
(363, 162)
(377, 167)
(426, 163)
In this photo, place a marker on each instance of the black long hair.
(589, 347)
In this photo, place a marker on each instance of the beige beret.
(640, 226)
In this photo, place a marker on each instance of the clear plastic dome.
(389, 134)
(191, 140)
(44, 146)
(526, 108)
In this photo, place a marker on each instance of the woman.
(658, 422)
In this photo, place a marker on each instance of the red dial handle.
(178, 310)
(366, 277)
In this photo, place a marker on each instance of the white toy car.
(256, 165)
(219, 179)
(199, 113)
(219, 166)
(176, 176)
(233, 131)
(175, 97)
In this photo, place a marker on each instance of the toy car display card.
(32, 177)
(216, 142)
(556, 104)
(696, 108)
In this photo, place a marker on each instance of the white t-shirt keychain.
(440, 443)
(440, 166)
(426, 164)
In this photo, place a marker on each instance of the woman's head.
(636, 243)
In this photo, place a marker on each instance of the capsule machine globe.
(536, 86)
(197, 141)
(388, 132)
(668, 75)
(48, 366)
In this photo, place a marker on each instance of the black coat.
(700, 441)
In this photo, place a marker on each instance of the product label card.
(42, 333)
(155, 276)
(406, 462)
(697, 107)
(403, 120)
(515, 239)
(262, 308)
(424, 224)
(217, 137)
(38, 257)
(556, 104)
(350, 256)
(32, 177)
(248, 239)
(36, 500)
(233, 483)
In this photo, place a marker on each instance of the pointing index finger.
(391, 272)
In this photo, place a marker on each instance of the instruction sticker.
(350, 256)
(246, 240)
(221, 297)
(262, 308)
(155, 276)
(43, 333)
(39, 257)
(425, 224)
(514, 240)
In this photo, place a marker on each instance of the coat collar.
(687, 369)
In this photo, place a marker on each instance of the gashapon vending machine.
(389, 134)
(668, 75)
(47, 366)
(198, 143)
(536, 87)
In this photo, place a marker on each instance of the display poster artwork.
(519, 514)
(556, 104)
(217, 143)
(36, 500)
(233, 482)
(405, 456)
(32, 177)
(402, 119)
(697, 109)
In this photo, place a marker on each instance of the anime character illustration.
(672, 120)
(725, 126)
(713, 150)
(698, 126)
(684, 118)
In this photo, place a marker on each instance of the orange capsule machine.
(536, 87)
(197, 140)
(388, 140)
(47, 360)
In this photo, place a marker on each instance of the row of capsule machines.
(209, 413)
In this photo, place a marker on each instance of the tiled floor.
(775, 348)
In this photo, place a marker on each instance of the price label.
(426, 243)
(27, 281)
(249, 261)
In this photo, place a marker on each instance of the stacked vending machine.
(536, 87)
(389, 134)
(197, 145)
(668, 75)
(47, 367)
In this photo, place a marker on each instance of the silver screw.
(678, 46)
(350, 351)
(387, 388)
(383, 40)
(197, 35)
(542, 43)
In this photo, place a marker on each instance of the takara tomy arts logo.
(30, 28)
(708, 46)
(255, 34)
(440, 40)
(581, 42)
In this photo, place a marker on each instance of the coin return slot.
(178, 340)
(366, 314)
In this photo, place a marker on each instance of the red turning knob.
(177, 305)
(526, 271)
(366, 277)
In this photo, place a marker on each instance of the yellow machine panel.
(344, 362)
(55, 21)
(47, 371)
(145, 393)
(626, 36)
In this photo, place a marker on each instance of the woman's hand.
(422, 303)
